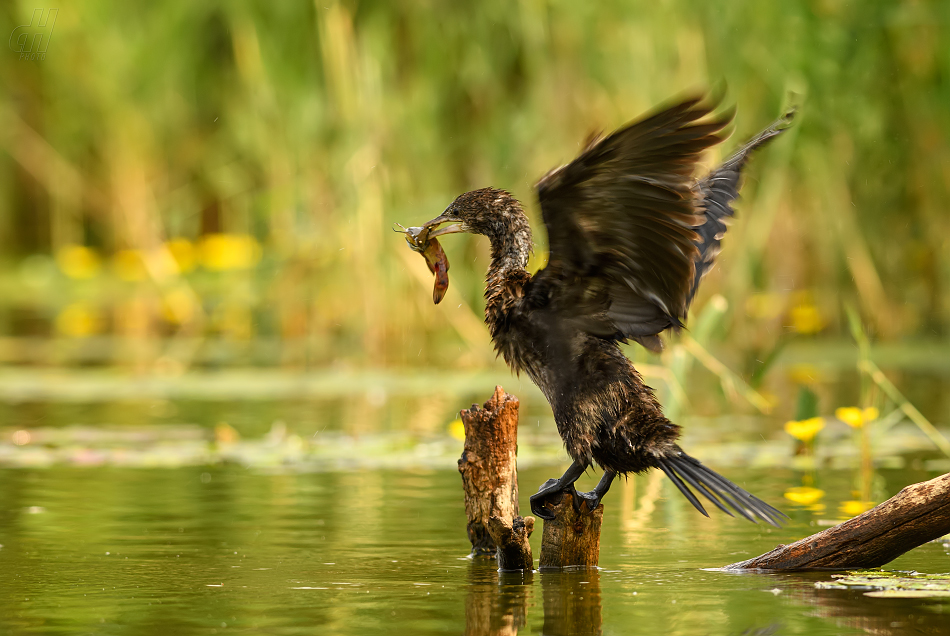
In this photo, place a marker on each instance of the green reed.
(307, 129)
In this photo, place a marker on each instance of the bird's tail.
(683, 469)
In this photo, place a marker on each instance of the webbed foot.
(551, 491)
(592, 499)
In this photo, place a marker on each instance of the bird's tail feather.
(683, 469)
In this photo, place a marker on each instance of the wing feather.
(630, 232)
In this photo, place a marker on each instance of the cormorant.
(631, 233)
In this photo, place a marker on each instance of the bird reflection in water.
(498, 603)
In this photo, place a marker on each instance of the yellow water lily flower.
(806, 318)
(183, 251)
(804, 495)
(805, 430)
(179, 306)
(855, 417)
(457, 430)
(807, 374)
(854, 508)
(78, 261)
(78, 320)
(129, 265)
(222, 252)
(224, 433)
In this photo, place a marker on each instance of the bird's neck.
(504, 290)
(511, 245)
(506, 262)
(506, 274)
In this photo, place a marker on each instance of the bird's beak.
(434, 230)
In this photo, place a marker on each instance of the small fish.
(436, 261)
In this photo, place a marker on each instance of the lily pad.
(892, 584)
(908, 594)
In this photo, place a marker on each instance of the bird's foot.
(550, 492)
(592, 499)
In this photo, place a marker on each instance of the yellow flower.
(805, 430)
(224, 433)
(854, 508)
(807, 374)
(457, 430)
(178, 306)
(129, 265)
(806, 318)
(855, 417)
(78, 261)
(183, 251)
(221, 252)
(78, 320)
(804, 495)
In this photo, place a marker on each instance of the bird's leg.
(556, 487)
(594, 496)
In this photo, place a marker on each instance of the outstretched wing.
(622, 223)
(631, 233)
(718, 190)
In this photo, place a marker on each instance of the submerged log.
(572, 538)
(490, 480)
(914, 516)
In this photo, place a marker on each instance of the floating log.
(490, 480)
(914, 516)
(572, 538)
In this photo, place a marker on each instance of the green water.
(260, 511)
(231, 550)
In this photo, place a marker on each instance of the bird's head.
(492, 213)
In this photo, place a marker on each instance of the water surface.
(222, 549)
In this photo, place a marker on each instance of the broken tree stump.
(914, 516)
(490, 480)
(572, 538)
(511, 538)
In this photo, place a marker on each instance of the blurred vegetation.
(214, 183)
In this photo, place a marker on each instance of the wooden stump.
(914, 516)
(511, 537)
(490, 480)
(571, 539)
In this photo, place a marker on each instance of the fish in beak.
(423, 240)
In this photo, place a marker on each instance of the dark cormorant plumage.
(631, 234)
